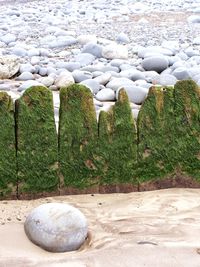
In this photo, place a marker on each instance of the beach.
(155, 228)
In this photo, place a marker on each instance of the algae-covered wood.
(8, 178)
(118, 143)
(156, 126)
(78, 133)
(36, 142)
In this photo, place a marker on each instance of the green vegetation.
(36, 142)
(78, 133)
(187, 121)
(118, 143)
(8, 179)
(156, 135)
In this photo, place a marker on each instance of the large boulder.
(56, 227)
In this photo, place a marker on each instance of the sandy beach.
(156, 228)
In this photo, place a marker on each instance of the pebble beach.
(105, 45)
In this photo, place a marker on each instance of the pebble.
(93, 85)
(106, 94)
(114, 51)
(50, 222)
(156, 63)
(64, 79)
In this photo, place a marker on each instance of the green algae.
(156, 130)
(118, 143)
(8, 180)
(37, 158)
(187, 120)
(78, 133)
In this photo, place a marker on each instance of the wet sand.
(156, 228)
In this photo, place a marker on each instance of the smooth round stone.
(56, 227)
(33, 52)
(28, 84)
(62, 41)
(166, 79)
(46, 81)
(35, 60)
(106, 94)
(136, 94)
(64, 79)
(42, 71)
(133, 74)
(87, 38)
(71, 66)
(93, 85)
(156, 63)
(80, 75)
(181, 73)
(142, 52)
(150, 76)
(26, 68)
(116, 83)
(196, 41)
(103, 78)
(84, 59)
(115, 51)
(122, 38)
(25, 76)
(171, 45)
(194, 19)
(93, 48)
(19, 51)
(8, 38)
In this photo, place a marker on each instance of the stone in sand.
(9, 66)
(56, 227)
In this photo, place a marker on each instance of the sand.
(154, 229)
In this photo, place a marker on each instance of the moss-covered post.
(36, 142)
(8, 177)
(155, 126)
(78, 133)
(187, 111)
(118, 143)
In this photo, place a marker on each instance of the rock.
(42, 71)
(106, 94)
(84, 59)
(136, 94)
(62, 41)
(114, 51)
(84, 39)
(28, 84)
(122, 38)
(8, 38)
(71, 66)
(19, 51)
(132, 74)
(80, 75)
(56, 227)
(25, 76)
(26, 68)
(93, 48)
(156, 63)
(117, 83)
(33, 52)
(9, 66)
(144, 52)
(196, 41)
(181, 73)
(93, 85)
(166, 79)
(64, 79)
(103, 78)
(46, 81)
(194, 19)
